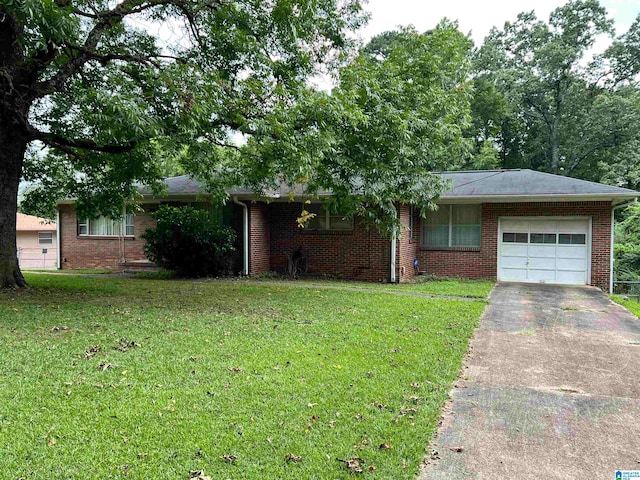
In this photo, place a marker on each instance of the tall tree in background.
(533, 72)
(89, 81)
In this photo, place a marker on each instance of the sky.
(477, 16)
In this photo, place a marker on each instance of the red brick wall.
(482, 262)
(360, 254)
(98, 252)
(407, 248)
(259, 238)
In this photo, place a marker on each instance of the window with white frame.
(45, 238)
(326, 220)
(106, 227)
(453, 226)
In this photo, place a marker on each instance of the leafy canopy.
(105, 86)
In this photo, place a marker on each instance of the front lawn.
(116, 378)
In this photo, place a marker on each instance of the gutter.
(58, 262)
(394, 247)
(613, 234)
(245, 235)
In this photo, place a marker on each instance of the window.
(453, 226)
(543, 238)
(106, 227)
(572, 239)
(515, 237)
(45, 238)
(326, 220)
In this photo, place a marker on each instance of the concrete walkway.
(551, 390)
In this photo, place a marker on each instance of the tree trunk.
(12, 150)
(555, 148)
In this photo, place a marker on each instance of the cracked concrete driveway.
(550, 390)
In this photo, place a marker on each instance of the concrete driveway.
(551, 390)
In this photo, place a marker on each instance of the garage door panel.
(542, 276)
(572, 251)
(573, 226)
(570, 278)
(575, 264)
(545, 263)
(543, 226)
(514, 250)
(557, 250)
(514, 262)
(536, 250)
(513, 274)
(510, 225)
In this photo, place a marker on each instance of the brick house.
(511, 225)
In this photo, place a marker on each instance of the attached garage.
(544, 250)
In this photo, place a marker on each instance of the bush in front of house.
(189, 242)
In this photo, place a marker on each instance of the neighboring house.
(36, 242)
(512, 225)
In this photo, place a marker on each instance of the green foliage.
(114, 378)
(536, 100)
(398, 114)
(189, 242)
(624, 55)
(116, 104)
(627, 246)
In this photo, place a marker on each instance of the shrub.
(189, 242)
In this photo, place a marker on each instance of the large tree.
(91, 90)
(398, 113)
(537, 93)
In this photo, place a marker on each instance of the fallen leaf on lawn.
(385, 446)
(311, 405)
(236, 369)
(362, 444)
(124, 344)
(105, 366)
(381, 406)
(372, 468)
(92, 350)
(142, 455)
(51, 442)
(354, 464)
(68, 384)
(290, 457)
(415, 385)
(198, 475)
(358, 416)
(229, 458)
(456, 448)
(406, 410)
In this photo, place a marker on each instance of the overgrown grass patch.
(633, 305)
(131, 378)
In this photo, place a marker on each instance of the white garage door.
(544, 250)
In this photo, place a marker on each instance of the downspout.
(394, 247)
(245, 235)
(613, 234)
(58, 262)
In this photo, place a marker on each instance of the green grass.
(632, 305)
(133, 378)
(72, 272)
(454, 288)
